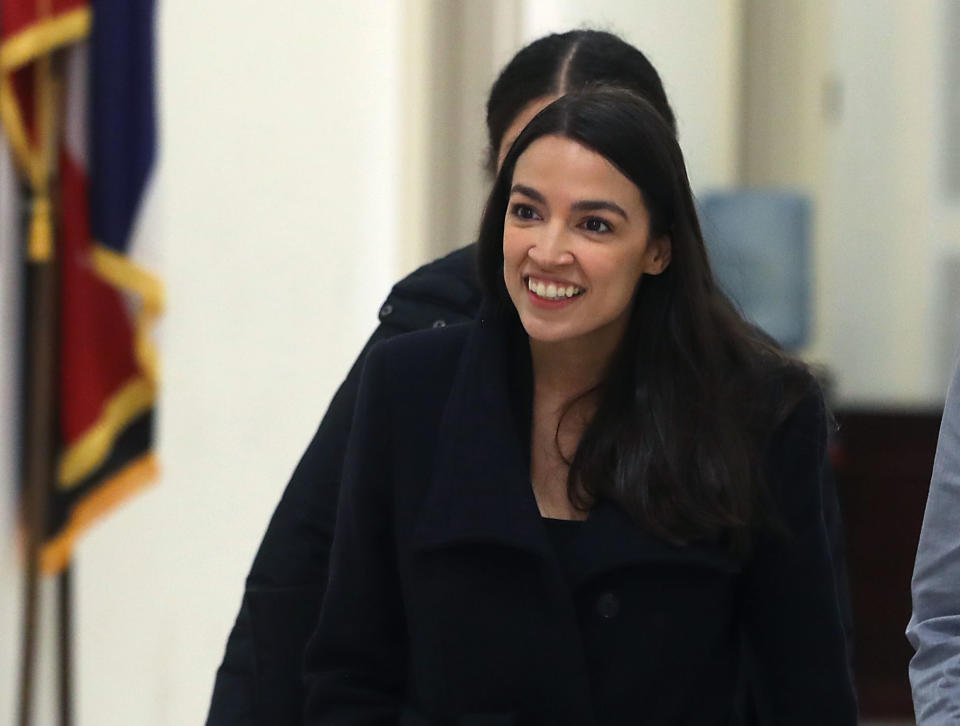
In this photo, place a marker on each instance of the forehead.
(558, 166)
(520, 122)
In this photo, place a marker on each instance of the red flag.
(107, 381)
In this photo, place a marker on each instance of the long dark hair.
(693, 390)
(564, 62)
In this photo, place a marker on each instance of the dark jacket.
(259, 680)
(446, 603)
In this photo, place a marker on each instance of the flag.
(77, 106)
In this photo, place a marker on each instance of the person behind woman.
(259, 680)
(573, 510)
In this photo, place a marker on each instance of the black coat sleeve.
(793, 617)
(259, 680)
(355, 661)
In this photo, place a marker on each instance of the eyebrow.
(585, 205)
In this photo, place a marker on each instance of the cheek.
(514, 248)
(630, 273)
(631, 266)
(616, 275)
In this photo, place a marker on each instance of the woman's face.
(576, 241)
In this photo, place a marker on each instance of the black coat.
(259, 680)
(446, 603)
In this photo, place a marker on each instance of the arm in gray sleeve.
(934, 628)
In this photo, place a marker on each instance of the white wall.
(888, 330)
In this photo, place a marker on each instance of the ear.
(657, 255)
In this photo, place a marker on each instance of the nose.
(551, 249)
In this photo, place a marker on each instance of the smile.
(552, 290)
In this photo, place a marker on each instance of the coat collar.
(480, 491)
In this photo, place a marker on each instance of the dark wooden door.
(883, 462)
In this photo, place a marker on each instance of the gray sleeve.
(934, 628)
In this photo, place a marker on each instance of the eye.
(524, 211)
(597, 224)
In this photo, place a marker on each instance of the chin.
(547, 332)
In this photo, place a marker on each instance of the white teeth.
(551, 291)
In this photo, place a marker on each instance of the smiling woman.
(601, 501)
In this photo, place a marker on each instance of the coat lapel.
(480, 490)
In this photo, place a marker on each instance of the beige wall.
(888, 322)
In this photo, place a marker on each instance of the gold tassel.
(40, 246)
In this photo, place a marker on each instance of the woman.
(574, 510)
(259, 680)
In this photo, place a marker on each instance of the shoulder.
(418, 361)
(421, 347)
(440, 293)
(454, 274)
(950, 426)
(795, 455)
(780, 395)
(797, 416)
(801, 413)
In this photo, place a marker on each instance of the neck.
(562, 372)
(568, 367)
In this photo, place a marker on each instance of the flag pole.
(65, 576)
(65, 602)
(39, 454)
(40, 378)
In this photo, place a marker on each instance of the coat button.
(440, 323)
(608, 605)
(385, 310)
